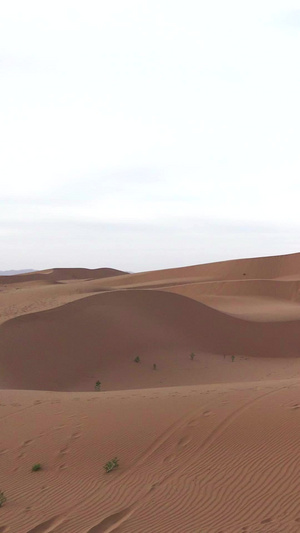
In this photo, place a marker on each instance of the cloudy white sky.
(146, 134)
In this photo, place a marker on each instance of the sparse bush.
(111, 465)
(232, 358)
(154, 366)
(137, 359)
(192, 355)
(98, 385)
(2, 498)
(36, 467)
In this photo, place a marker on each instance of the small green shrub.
(137, 359)
(2, 498)
(111, 465)
(232, 358)
(36, 467)
(192, 355)
(154, 366)
(98, 385)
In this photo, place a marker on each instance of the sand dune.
(258, 300)
(66, 347)
(286, 267)
(207, 445)
(48, 289)
(61, 274)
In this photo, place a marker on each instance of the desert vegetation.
(111, 465)
(98, 385)
(36, 467)
(2, 498)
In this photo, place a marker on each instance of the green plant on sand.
(36, 467)
(192, 355)
(2, 498)
(98, 385)
(137, 359)
(111, 465)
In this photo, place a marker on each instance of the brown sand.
(207, 445)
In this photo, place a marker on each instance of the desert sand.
(208, 444)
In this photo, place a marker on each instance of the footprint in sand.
(183, 441)
(76, 435)
(26, 443)
(266, 521)
(114, 520)
(169, 458)
(64, 450)
(193, 423)
(46, 527)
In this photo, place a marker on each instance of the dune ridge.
(282, 267)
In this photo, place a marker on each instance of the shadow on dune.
(52, 350)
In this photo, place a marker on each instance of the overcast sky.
(146, 134)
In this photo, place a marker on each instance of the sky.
(148, 134)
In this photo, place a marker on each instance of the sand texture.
(205, 445)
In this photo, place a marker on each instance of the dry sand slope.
(204, 445)
(195, 459)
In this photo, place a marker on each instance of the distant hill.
(15, 272)
(57, 275)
